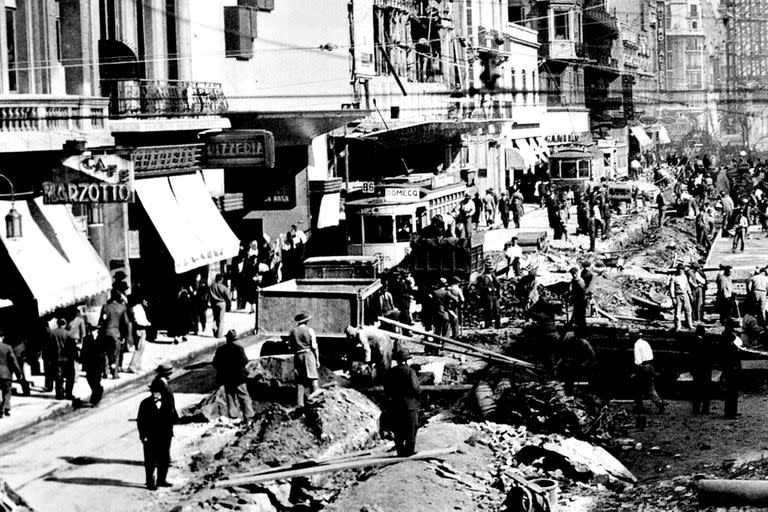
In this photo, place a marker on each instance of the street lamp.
(13, 219)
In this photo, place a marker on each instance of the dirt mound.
(675, 241)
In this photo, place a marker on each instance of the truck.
(333, 304)
(433, 258)
(342, 267)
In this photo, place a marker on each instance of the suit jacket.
(114, 321)
(64, 345)
(156, 422)
(402, 386)
(8, 364)
(230, 362)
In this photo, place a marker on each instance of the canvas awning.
(514, 159)
(544, 146)
(642, 138)
(537, 149)
(529, 157)
(330, 211)
(662, 132)
(55, 260)
(187, 220)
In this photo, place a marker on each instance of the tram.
(383, 225)
(574, 167)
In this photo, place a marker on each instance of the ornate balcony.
(564, 49)
(31, 122)
(163, 98)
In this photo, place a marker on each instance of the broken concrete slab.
(578, 460)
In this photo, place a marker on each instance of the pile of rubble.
(339, 421)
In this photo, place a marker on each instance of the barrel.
(549, 487)
(485, 400)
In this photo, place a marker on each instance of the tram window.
(403, 228)
(583, 169)
(355, 229)
(567, 170)
(378, 230)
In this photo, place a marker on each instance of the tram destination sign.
(402, 194)
(240, 148)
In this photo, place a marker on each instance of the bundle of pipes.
(312, 467)
(451, 345)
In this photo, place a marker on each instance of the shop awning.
(662, 132)
(544, 146)
(58, 264)
(194, 233)
(529, 157)
(514, 160)
(296, 127)
(642, 138)
(540, 154)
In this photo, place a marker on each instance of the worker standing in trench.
(374, 347)
(401, 385)
(680, 292)
(306, 358)
(645, 377)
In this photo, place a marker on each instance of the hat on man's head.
(302, 318)
(231, 335)
(164, 369)
(401, 354)
(680, 266)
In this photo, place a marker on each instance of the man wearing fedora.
(230, 362)
(489, 289)
(680, 292)
(156, 418)
(306, 357)
(402, 387)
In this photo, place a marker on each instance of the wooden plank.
(350, 464)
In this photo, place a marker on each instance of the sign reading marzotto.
(91, 179)
(240, 148)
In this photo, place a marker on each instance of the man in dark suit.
(230, 362)
(221, 301)
(402, 387)
(115, 330)
(66, 356)
(8, 367)
(155, 421)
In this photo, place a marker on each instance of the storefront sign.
(240, 148)
(567, 138)
(362, 18)
(661, 43)
(402, 194)
(91, 179)
(166, 160)
(443, 180)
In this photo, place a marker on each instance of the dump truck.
(333, 304)
(433, 258)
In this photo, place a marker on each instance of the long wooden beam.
(341, 466)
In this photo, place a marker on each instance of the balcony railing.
(595, 14)
(48, 113)
(563, 49)
(154, 98)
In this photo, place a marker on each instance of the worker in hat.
(680, 292)
(579, 301)
(489, 291)
(306, 358)
(456, 314)
(514, 254)
(725, 299)
(731, 348)
(230, 362)
(155, 420)
(645, 376)
(741, 227)
(373, 347)
(466, 214)
(697, 282)
(401, 385)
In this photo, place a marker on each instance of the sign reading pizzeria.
(91, 179)
(240, 148)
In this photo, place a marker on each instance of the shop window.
(10, 40)
(378, 230)
(355, 229)
(584, 169)
(403, 228)
(567, 170)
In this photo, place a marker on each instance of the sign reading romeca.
(240, 148)
(91, 179)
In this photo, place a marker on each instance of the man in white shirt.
(644, 377)
(680, 292)
(514, 254)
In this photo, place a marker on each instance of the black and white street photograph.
(383, 255)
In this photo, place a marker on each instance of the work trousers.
(726, 218)
(661, 215)
(516, 220)
(138, 354)
(645, 386)
(726, 307)
(468, 229)
(454, 324)
(504, 219)
(607, 225)
(761, 304)
(698, 304)
(491, 312)
(405, 424)
(65, 379)
(49, 367)
(738, 239)
(114, 350)
(702, 391)
(683, 305)
(238, 401)
(94, 382)
(6, 390)
(731, 405)
(218, 309)
(579, 316)
(157, 455)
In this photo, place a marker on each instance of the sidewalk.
(40, 405)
